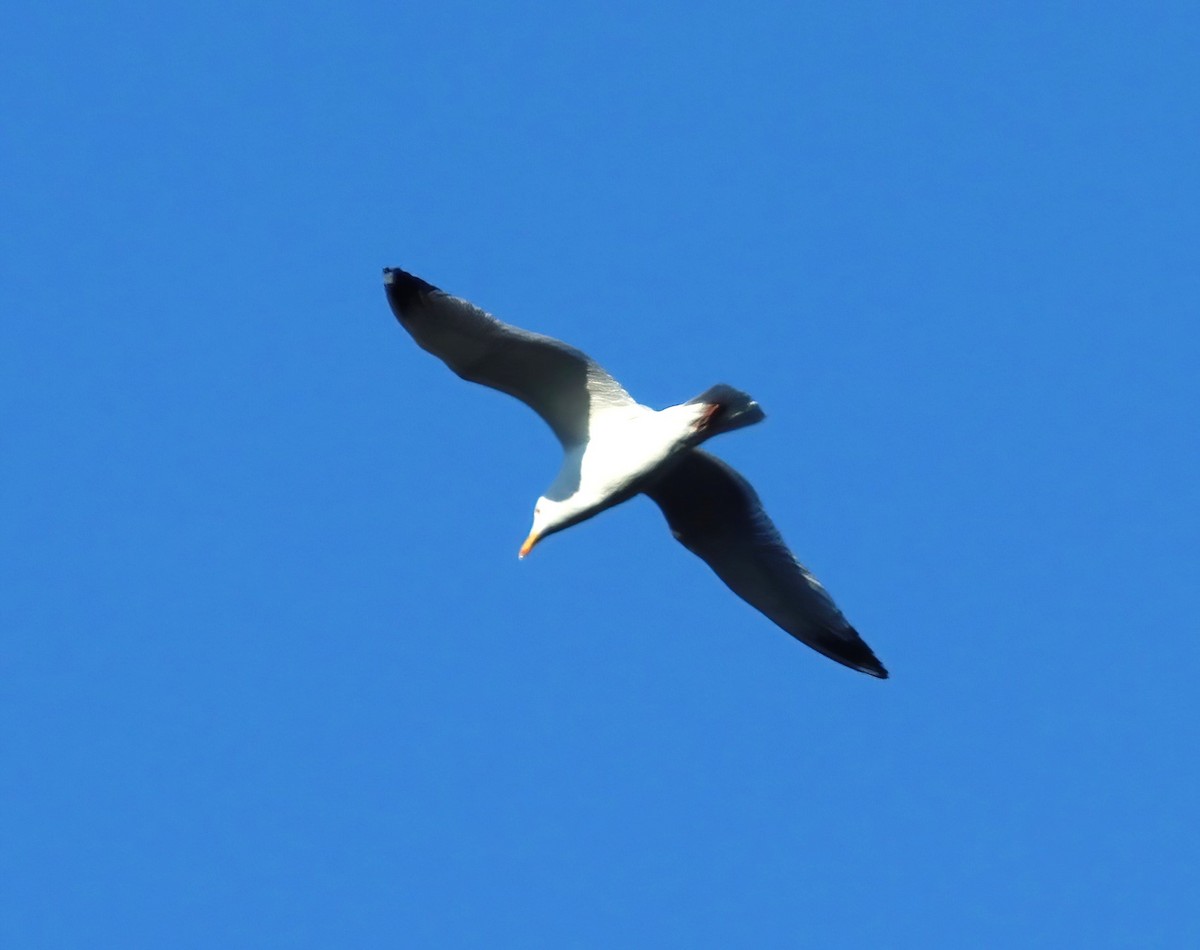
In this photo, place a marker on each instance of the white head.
(549, 516)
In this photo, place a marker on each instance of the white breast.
(624, 446)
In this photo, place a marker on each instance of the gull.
(615, 448)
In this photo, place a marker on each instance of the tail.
(729, 409)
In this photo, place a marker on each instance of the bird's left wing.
(564, 386)
(715, 513)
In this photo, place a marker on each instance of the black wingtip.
(403, 288)
(851, 650)
(868, 664)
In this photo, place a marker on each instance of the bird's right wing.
(715, 513)
(561, 384)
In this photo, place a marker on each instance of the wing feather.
(561, 384)
(715, 513)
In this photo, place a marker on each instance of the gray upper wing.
(561, 384)
(715, 513)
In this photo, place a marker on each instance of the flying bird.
(615, 448)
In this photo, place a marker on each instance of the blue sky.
(271, 672)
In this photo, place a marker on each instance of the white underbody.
(625, 447)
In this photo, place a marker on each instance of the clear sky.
(271, 673)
